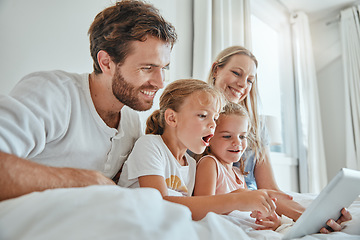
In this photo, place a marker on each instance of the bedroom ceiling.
(318, 7)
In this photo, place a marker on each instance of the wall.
(45, 35)
(327, 51)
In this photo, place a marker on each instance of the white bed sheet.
(351, 229)
(111, 212)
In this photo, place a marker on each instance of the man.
(61, 129)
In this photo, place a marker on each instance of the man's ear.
(170, 117)
(106, 64)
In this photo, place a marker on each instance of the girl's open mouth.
(207, 138)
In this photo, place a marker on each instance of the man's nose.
(158, 78)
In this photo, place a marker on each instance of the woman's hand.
(334, 226)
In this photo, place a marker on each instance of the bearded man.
(60, 129)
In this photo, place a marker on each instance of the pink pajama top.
(225, 183)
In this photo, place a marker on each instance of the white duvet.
(111, 212)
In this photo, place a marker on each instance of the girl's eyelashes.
(205, 115)
(236, 73)
(242, 137)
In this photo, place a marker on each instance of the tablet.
(341, 191)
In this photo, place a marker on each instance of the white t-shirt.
(151, 156)
(50, 118)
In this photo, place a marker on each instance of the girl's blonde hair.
(250, 102)
(233, 109)
(173, 97)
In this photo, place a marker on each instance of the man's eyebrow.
(167, 66)
(149, 64)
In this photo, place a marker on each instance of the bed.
(112, 212)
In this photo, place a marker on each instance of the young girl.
(185, 120)
(215, 172)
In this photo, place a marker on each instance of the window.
(271, 44)
(268, 74)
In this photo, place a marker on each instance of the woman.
(234, 72)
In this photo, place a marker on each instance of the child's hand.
(272, 222)
(260, 203)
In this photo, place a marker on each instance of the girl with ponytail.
(159, 159)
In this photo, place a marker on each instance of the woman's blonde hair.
(238, 110)
(173, 97)
(250, 102)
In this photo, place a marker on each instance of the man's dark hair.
(116, 27)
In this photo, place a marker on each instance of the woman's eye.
(250, 81)
(242, 137)
(202, 115)
(226, 136)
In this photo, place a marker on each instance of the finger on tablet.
(324, 231)
(333, 225)
(345, 216)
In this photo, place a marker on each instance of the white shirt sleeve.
(146, 158)
(31, 117)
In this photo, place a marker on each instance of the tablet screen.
(341, 191)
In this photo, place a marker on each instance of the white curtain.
(312, 164)
(350, 38)
(218, 24)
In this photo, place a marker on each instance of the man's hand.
(81, 177)
(20, 176)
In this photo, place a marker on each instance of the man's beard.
(127, 94)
